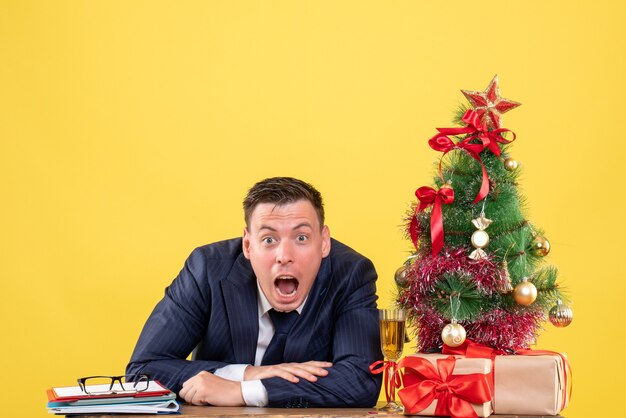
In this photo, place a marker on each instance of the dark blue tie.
(283, 322)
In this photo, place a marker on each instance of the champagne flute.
(391, 343)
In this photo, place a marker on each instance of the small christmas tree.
(476, 269)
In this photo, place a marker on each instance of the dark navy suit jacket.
(212, 304)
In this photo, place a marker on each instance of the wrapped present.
(436, 384)
(534, 384)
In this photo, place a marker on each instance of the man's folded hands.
(291, 372)
(207, 389)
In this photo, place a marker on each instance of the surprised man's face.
(285, 245)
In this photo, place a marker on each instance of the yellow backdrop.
(130, 132)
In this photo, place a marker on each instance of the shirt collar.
(264, 305)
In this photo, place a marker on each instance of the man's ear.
(245, 243)
(325, 241)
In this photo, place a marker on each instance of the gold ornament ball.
(480, 239)
(541, 246)
(401, 276)
(561, 315)
(525, 292)
(510, 164)
(453, 335)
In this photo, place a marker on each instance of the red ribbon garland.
(428, 196)
(442, 143)
(392, 377)
(475, 129)
(489, 139)
(454, 393)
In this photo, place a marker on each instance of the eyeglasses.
(112, 385)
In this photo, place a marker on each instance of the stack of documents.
(157, 399)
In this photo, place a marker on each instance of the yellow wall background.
(131, 130)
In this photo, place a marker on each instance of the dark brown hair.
(281, 191)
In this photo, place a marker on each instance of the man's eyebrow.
(262, 227)
(300, 225)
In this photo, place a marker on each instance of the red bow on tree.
(428, 196)
(423, 383)
(443, 143)
(475, 129)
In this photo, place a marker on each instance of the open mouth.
(286, 285)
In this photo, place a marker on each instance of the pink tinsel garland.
(501, 329)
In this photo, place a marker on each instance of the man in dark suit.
(283, 317)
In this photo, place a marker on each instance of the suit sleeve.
(175, 327)
(356, 344)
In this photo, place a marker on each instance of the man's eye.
(268, 240)
(302, 238)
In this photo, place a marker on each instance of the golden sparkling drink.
(392, 338)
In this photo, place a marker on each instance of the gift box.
(530, 384)
(436, 384)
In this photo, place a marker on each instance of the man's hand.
(309, 370)
(207, 389)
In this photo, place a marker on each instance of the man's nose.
(284, 253)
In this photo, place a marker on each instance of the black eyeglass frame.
(130, 378)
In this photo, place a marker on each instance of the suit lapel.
(240, 298)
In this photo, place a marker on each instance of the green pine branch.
(457, 291)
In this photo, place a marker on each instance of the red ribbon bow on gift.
(473, 350)
(428, 196)
(392, 376)
(454, 393)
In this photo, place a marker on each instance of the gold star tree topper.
(489, 104)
